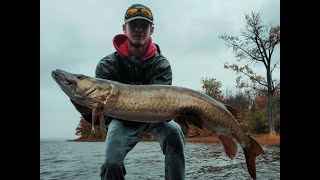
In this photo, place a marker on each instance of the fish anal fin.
(250, 154)
(183, 124)
(235, 112)
(229, 145)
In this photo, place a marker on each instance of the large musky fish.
(156, 103)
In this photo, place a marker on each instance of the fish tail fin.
(250, 154)
(229, 145)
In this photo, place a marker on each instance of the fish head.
(84, 90)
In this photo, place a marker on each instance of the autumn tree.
(240, 100)
(83, 128)
(211, 87)
(255, 45)
(261, 103)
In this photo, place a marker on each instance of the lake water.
(82, 160)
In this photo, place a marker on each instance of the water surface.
(82, 160)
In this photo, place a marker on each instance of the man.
(138, 60)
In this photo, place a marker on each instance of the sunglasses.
(134, 12)
(139, 23)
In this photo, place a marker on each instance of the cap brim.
(137, 17)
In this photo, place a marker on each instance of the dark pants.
(121, 138)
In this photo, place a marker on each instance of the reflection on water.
(82, 160)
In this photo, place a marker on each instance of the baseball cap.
(138, 11)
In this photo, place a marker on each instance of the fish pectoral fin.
(229, 145)
(102, 122)
(235, 112)
(93, 119)
(96, 115)
(183, 124)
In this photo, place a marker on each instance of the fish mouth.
(62, 77)
(65, 80)
(58, 78)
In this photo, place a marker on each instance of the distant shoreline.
(265, 139)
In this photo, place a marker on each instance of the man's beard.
(137, 45)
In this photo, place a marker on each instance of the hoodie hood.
(120, 42)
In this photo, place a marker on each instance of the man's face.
(138, 32)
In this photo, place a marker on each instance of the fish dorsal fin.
(229, 145)
(235, 112)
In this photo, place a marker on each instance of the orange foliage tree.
(83, 128)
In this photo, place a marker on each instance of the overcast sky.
(76, 34)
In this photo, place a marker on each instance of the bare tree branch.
(237, 46)
(276, 86)
(275, 65)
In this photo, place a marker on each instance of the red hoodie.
(120, 42)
